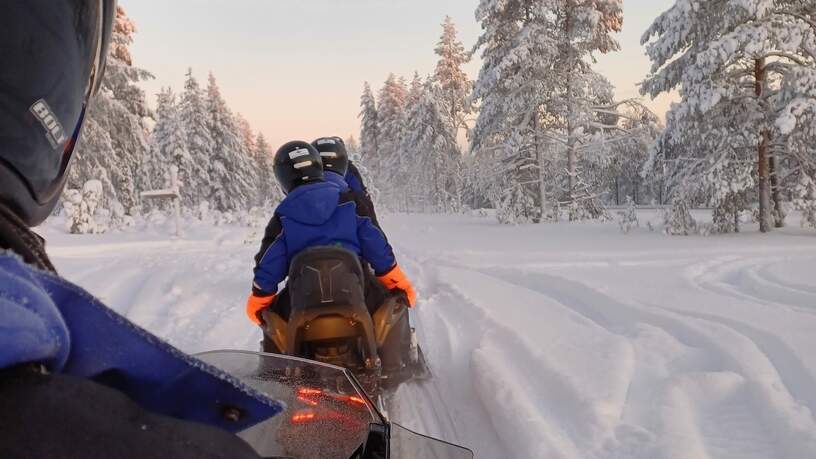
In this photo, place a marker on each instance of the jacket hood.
(312, 204)
(336, 179)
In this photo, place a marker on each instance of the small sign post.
(171, 193)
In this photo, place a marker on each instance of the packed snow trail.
(550, 341)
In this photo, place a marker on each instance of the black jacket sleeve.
(362, 197)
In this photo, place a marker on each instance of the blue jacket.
(337, 180)
(44, 319)
(317, 214)
(354, 180)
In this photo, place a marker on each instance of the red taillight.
(356, 400)
(303, 416)
(305, 392)
(307, 401)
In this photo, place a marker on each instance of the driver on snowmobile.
(346, 176)
(77, 379)
(315, 213)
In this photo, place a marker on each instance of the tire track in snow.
(794, 374)
(769, 276)
(774, 393)
(446, 406)
(737, 278)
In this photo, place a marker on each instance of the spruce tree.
(194, 120)
(170, 146)
(115, 141)
(391, 113)
(455, 85)
(231, 173)
(543, 108)
(370, 125)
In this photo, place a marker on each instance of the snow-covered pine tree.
(248, 140)
(434, 166)
(543, 108)
(391, 127)
(512, 89)
(230, 170)
(797, 121)
(81, 208)
(584, 115)
(370, 126)
(729, 59)
(678, 220)
(627, 218)
(245, 129)
(268, 191)
(169, 141)
(90, 162)
(416, 91)
(454, 83)
(628, 156)
(194, 119)
(353, 147)
(115, 141)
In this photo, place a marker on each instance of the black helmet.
(297, 163)
(333, 152)
(52, 57)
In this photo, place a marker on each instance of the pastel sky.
(295, 68)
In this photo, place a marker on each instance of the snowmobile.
(330, 322)
(328, 414)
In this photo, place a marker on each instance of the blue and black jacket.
(49, 323)
(354, 181)
(318, 214)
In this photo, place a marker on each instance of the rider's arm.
(373, 244)
(355, 182)
(271, 263)
(378, 253)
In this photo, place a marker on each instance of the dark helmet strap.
(16, 237)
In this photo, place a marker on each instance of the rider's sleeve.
(271, 262)
(374, 246)
(362, 197)
(355, 180)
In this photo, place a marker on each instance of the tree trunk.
(776, 193)
(572, 173)
(617, 190)
(572, 159)
(542, 186)
(736, 216)
(762, 156)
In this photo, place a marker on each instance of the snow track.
(559, 341)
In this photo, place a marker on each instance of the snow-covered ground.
(550, 341)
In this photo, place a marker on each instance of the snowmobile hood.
(311, 204)
(336, 179)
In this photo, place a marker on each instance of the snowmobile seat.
(326, 287)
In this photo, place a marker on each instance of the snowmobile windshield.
(328, 415)
(51, 57)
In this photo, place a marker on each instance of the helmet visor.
(50, 58)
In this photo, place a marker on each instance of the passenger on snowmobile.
(77, 379)
(316, 213)
(336, 159)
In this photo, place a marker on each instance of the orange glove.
(396, 279)
(256, 304)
